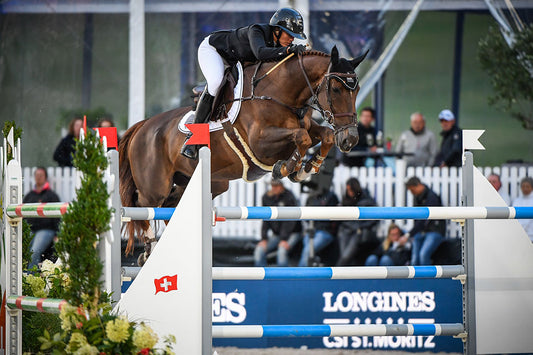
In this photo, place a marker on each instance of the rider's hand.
(296, 49)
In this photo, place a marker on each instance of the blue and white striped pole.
(325, 330)
(372, 213)
(340, 213)
(337, 273)
(326, 273)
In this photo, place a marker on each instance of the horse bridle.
(349, 80)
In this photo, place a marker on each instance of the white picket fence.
(385, 184)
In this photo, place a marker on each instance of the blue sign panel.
(340, 302)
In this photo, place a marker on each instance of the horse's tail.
(128, 189)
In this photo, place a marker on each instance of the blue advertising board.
(340, 302)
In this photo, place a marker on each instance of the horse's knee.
(303, 139)
(328, 139)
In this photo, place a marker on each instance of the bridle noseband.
(350, 81)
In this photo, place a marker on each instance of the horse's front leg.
(319, 134)
(284, 168)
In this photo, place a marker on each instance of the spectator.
(526, 200)
(65, 149)
(324, 231)
(367, 139)
(44, 229)
(426, 235)
(394, 251)
(451, 147)
(105, 122)
(284, 234)
(356, 237)
(418, 141)
(496, 182)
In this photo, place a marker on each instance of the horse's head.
(337, 95)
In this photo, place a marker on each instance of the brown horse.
(272, 132)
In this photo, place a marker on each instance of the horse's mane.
(306, 53)
(315, 52)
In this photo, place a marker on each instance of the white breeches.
(212, 66)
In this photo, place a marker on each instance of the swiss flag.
(166, 284)
(200, 134)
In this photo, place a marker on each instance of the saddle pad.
(232, 114)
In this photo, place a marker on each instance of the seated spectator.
(283, 234)
(356, 236)
(451, 147)
(495, 181)
(64, 151)
(324, 231)
(394, 251)
(44, 229)
(426, 235)
(367, 138)
(418, 141)
(526, 200)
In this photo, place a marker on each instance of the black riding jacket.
(247, 44)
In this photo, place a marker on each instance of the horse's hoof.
(276, 170)
(294, 177)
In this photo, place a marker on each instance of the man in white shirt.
(419, 142)
(526, 200)
(496, 182)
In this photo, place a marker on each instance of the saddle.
(230, 79)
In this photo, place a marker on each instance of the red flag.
(111, 135)
(200, 134)
(166, 284)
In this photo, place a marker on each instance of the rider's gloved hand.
(296, 49)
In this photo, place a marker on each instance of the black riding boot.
(203, 111)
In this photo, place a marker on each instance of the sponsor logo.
(229, 307)
(379, 301)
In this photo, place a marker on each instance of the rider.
(257, 42)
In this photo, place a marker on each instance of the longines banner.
(340, 302)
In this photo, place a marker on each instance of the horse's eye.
(336, 90)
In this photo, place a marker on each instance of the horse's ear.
(356, 61)
(334, 55)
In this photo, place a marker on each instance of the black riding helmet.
(290, 21)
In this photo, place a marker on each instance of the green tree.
(511, 72)
(87, 218)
